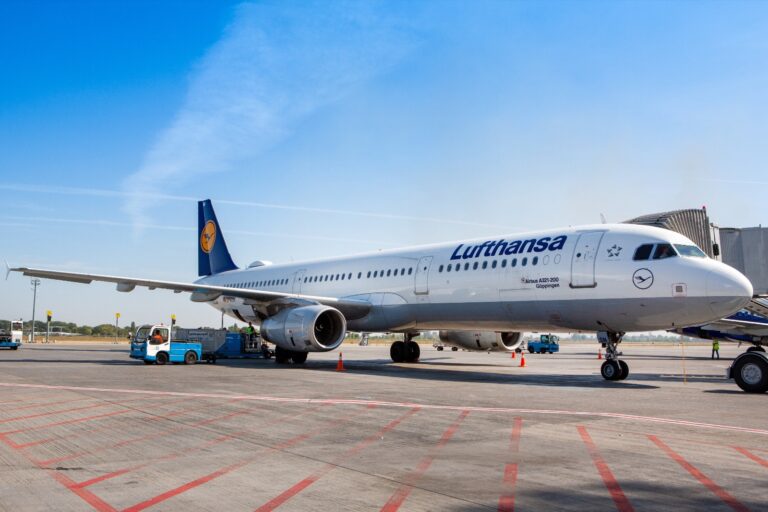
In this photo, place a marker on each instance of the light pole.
(35, 284)
(117, 317)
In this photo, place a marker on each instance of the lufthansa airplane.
(608, 278)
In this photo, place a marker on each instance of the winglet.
(7, 269)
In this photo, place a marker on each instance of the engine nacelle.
(483, 341)
(306, 329)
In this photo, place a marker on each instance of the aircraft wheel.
(751, 373)
(610, 370)
(190, 358)
(412, 351)
(397, 351)
(282, 356)
(455, 349)
(439, 349)
(755, 349)
(299, 357)
(161, 358)
(624, 369)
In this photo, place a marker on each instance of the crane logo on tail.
(208, 237)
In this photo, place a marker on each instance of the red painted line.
(397, 499)
(300, 486)
(87, 496)
(752, 456)
(66, 422)
(701, 477)
(507, 500)
(190, 485)
(618, 496)
(32, 406)
(50, 413)
(339, 401)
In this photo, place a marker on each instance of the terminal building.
(745, 249)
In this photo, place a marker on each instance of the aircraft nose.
(728, 290)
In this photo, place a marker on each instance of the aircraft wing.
(350, 308)
(733, 326)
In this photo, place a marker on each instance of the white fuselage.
(583, 278)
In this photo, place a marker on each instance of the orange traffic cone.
(513, 354)
(340, 364)
(599, 354)
(522, 360)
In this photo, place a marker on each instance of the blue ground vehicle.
(12, 338)
(546, 344)
(150, 348)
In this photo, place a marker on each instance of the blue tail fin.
(212, 254)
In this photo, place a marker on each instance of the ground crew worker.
(157, 338)
(715, 349)
(251, 333)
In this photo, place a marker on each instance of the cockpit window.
(664, 251)
(643, 252)
(690, 250)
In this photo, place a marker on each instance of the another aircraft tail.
(212, 254)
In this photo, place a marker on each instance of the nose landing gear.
(613, 368)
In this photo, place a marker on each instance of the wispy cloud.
(132, 195)
(275, 64)
(33, 221)
(736, 182)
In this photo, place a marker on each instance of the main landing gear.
(613, 368)
(405, 351)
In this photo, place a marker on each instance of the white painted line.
(342, 401)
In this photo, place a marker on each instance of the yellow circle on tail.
(208, 237)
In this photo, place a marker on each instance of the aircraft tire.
(455, 349)
(755, 349)
(530, 349)
(412, 352)
(439, 349)
(750, 371)
(624, 369)
(299, 357)
(397, 351)
(610, 370)
(282, 356)
(161, 358)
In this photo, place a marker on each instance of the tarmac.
(87, 428)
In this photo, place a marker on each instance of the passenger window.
(375, 273)
(474, 267)
(493, 264)
(503, 263)
(663, 251)
(643, 252)
(349, 276)
(525, 262)
(535, 260)
(359, 275)
(402, 271)
(466, 266)
(450, 267)
(389, 272)
(440, 269)
(485, 265)
(514, 262)
(410, 271)
(458, 267)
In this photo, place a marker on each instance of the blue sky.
(328, 128)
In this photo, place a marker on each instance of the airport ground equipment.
(546, 344)
(161, 351)
(221, 344)
(750, 371)
(12, 338)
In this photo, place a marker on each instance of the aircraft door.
(583, 262)
(421, 283)
(297, 280)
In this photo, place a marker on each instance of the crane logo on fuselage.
(642, 278)
(208, 237)
(492, 248)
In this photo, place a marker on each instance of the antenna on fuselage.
(602, 218)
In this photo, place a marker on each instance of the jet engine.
(483, 341)
(306, 329)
